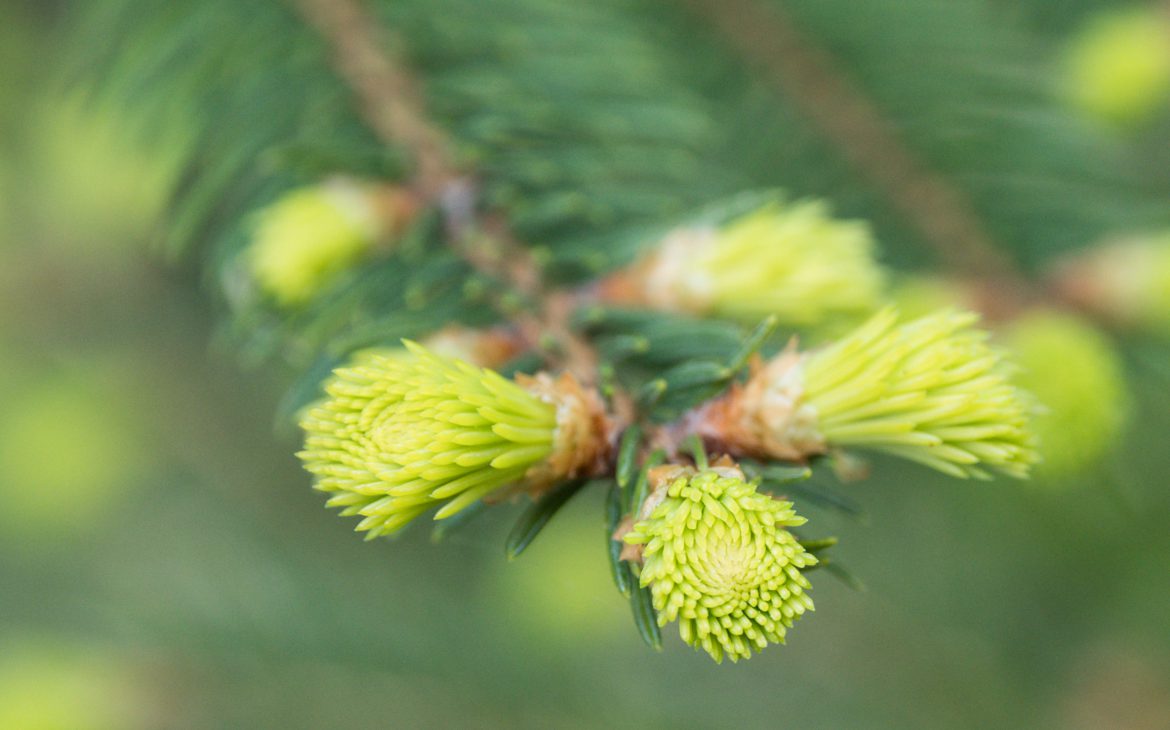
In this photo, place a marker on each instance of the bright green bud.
(718, 561)
(791, 260)
(1077, 376)
(403, 432)
(1119, 65)
(308, 237)
(930, 390)
(1127, 282)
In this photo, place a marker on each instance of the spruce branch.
(391, 104)
(403, 431)
(765, 37)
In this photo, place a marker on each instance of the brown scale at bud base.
(766, 416)
(585, 435)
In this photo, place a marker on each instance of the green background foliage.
(171, 540)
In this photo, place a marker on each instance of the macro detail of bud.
(398, 435)
(308, 237)
(718, 560)
(930, 390)
(791, 260)
(1078, 378)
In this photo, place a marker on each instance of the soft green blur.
(164, 563)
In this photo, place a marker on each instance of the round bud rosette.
(790, 260)
(310, 236)
(1078, 378)
(1118, 66)
(400, 433)
(930, 390)
(718, 560)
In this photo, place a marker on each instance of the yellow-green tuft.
(308, 237)
(792, 260)
(718, 561)
(930, 390)
(400, 433)
(1077, 376)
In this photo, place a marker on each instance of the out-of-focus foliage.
(1077, 377)
(214, 575)
(1119, 66)
(55, 686)
(308, 238)
(791, 260)
(66, 456)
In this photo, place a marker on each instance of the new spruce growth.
(930, 390)
(791, 260)
(402, 433)
(719, 560)
(307, 238)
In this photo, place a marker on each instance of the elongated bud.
(308, 237)
(1126, 283)
(930, 390)
(399, 435)
(1077, 377)
(718, 560)
(790, 260)
(1119, 65)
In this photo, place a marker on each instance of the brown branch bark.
(766, 38)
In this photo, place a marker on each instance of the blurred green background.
(164, 564)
